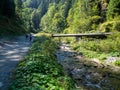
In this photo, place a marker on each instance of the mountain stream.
(88, 74)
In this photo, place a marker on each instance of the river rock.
(94, 77)
(78, 73)
(112, 59)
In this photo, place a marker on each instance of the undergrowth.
(39, 70)
(117, 63)
(10, 26)
(99, 48)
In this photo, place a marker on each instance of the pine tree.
(113, 9)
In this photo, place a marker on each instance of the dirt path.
(11, 52)
(88, 74)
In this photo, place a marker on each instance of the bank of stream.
(88, 74)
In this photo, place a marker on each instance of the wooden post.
(59, 41)
(78, 39)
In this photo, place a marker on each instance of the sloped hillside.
(10, 22)
(71, 16)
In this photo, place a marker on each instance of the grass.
(39, 70)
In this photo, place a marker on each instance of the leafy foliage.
(94, 48)
(117, 63)
(10, 17)
(113, 9)
(39, 70)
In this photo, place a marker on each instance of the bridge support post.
(59, 41)
(78, 39)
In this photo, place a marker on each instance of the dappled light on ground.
(11, 52)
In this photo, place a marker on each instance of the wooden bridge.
(81, 35)
(88, 35)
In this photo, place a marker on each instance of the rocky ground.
(88, 74)
(12, 50)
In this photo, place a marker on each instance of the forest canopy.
(70, 16)
(64, 16)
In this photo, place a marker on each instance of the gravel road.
(11, 52)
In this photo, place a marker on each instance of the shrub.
(117, 63)
(110, 26)
(96, 19)
(96, 48)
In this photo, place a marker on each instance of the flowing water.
(88, 74)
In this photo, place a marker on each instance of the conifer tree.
(113, 9)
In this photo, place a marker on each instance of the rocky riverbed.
(88, 74)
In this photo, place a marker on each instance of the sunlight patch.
(1, 84)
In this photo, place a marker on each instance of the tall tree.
(18, 8)
(113, 9)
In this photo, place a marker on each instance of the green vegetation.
(39, 70)
(71, 16)
(10, 26)
(117, 63)
(76, 16)
(100, 49)
(10, 20)
(113, 9)
(45, 15)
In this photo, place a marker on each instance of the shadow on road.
(11, 52)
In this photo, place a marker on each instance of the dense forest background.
(62, 16)
(65, 16)
(77, 16)
(71, 16)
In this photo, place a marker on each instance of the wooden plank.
(80, 35)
